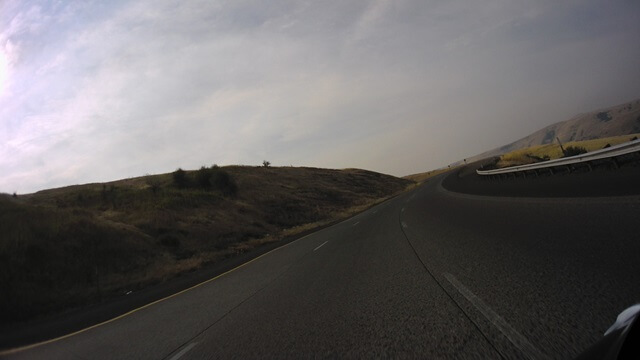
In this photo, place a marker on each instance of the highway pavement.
(429, 274)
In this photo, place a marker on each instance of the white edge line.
(183, 351)
(9, 351)
(356, 223)
(50, 341)
(321, 245)
(519, 341)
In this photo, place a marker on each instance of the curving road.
(431, 274)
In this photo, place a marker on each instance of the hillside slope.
(76, 245)
(617, 120)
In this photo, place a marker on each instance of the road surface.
(430, 274)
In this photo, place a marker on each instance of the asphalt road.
(429, 274)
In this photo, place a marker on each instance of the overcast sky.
(103, 90)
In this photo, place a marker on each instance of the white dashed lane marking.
(321, 245)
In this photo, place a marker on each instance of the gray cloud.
(98, 91)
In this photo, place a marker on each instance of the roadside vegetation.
(553, 151)
(72, 246)
(422, 177)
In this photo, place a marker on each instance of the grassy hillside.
(553, 151)
(76, 245)
(623, 119)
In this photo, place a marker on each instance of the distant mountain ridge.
(616, 120)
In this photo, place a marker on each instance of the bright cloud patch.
(96, 91)
(4, 71)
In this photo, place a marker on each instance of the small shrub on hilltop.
(574, 150)
(214, 178)
(203, 177)
(538, 158)
(180, 178)
(490, 165)
(221, 180)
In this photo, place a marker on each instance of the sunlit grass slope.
(422, 177)
(553, 151)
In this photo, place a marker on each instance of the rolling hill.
(616, 120)
(81, 244)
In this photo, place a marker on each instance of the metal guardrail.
(610, 152)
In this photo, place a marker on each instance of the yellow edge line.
(32, 346)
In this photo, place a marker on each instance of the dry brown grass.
(75, 245)
(553, 151)
(422, 177)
